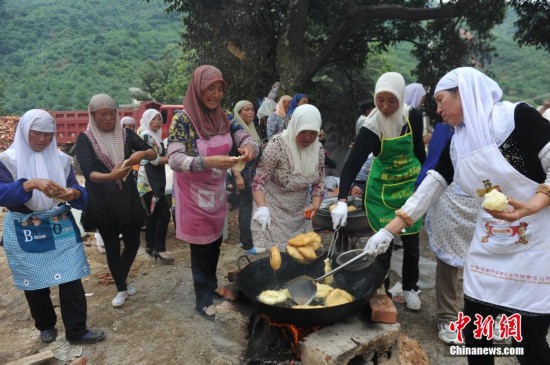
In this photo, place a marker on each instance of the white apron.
(508, 262)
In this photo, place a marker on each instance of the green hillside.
(56, 54)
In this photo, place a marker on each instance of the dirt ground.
(159, 325)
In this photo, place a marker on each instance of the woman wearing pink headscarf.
(201, 137)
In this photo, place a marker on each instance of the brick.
(383, 309)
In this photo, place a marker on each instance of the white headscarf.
(127, 120)
(111, 144)
(391, 127)
(305, 160)
(413, 94)
(145, 124)
(46, 164)
(267, 108)
(486, 121)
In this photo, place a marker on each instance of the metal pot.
(258, 276)
(357, 224)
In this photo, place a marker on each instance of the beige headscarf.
(391, 127)
(280, 109)
(248, 127)
(110, 144)
(305, 160)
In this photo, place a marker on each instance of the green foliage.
(523, 72)
(56, 54)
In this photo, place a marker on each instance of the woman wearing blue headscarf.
(297, 100)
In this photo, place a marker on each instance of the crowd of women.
(279, 169)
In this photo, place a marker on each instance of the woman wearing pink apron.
(201, 136)
(506, 269)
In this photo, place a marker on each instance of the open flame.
(294, 333)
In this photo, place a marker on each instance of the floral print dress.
(287, 195)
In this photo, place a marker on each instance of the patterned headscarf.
(280, 109)
(383, 127)
(29, 164)
(306, 117)
(294, 104)
(206, 121)
(413, 94)
(108, 146)
(145, 124)
(249, 127)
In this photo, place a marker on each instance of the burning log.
(8, 125)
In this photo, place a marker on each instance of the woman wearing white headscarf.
(128, 122)
(414, 95)
(393, 134)
(42, 242)
(506, 269)
(244, 116)
(151, 185)
(106, 153)
(291, 162)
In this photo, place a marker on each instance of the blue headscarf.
(294, 103)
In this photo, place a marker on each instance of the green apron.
(391, 181)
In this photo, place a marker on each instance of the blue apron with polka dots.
(44, 248)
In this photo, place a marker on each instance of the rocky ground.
(159, 324)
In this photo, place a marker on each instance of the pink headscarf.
(280, 109)
(206, 121)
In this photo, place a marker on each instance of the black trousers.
(72, 302)
(409, 270)
(157, 223)
(245, 216)
(204, 262)
(120, 262)
(533, 331)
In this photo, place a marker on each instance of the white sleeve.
(544, 156)
(424, 197)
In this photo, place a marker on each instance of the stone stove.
(355, 340)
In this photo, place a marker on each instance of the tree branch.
(355, 16)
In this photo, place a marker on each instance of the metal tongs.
(330, 251)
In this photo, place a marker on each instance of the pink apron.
(201, 203)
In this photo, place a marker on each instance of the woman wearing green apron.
(496, 143)
(393, 133)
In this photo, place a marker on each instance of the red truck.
(71, 123)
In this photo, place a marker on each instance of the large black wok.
(258, 276)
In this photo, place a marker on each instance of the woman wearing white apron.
(42, 242)
(506, 269)
(200, 138)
